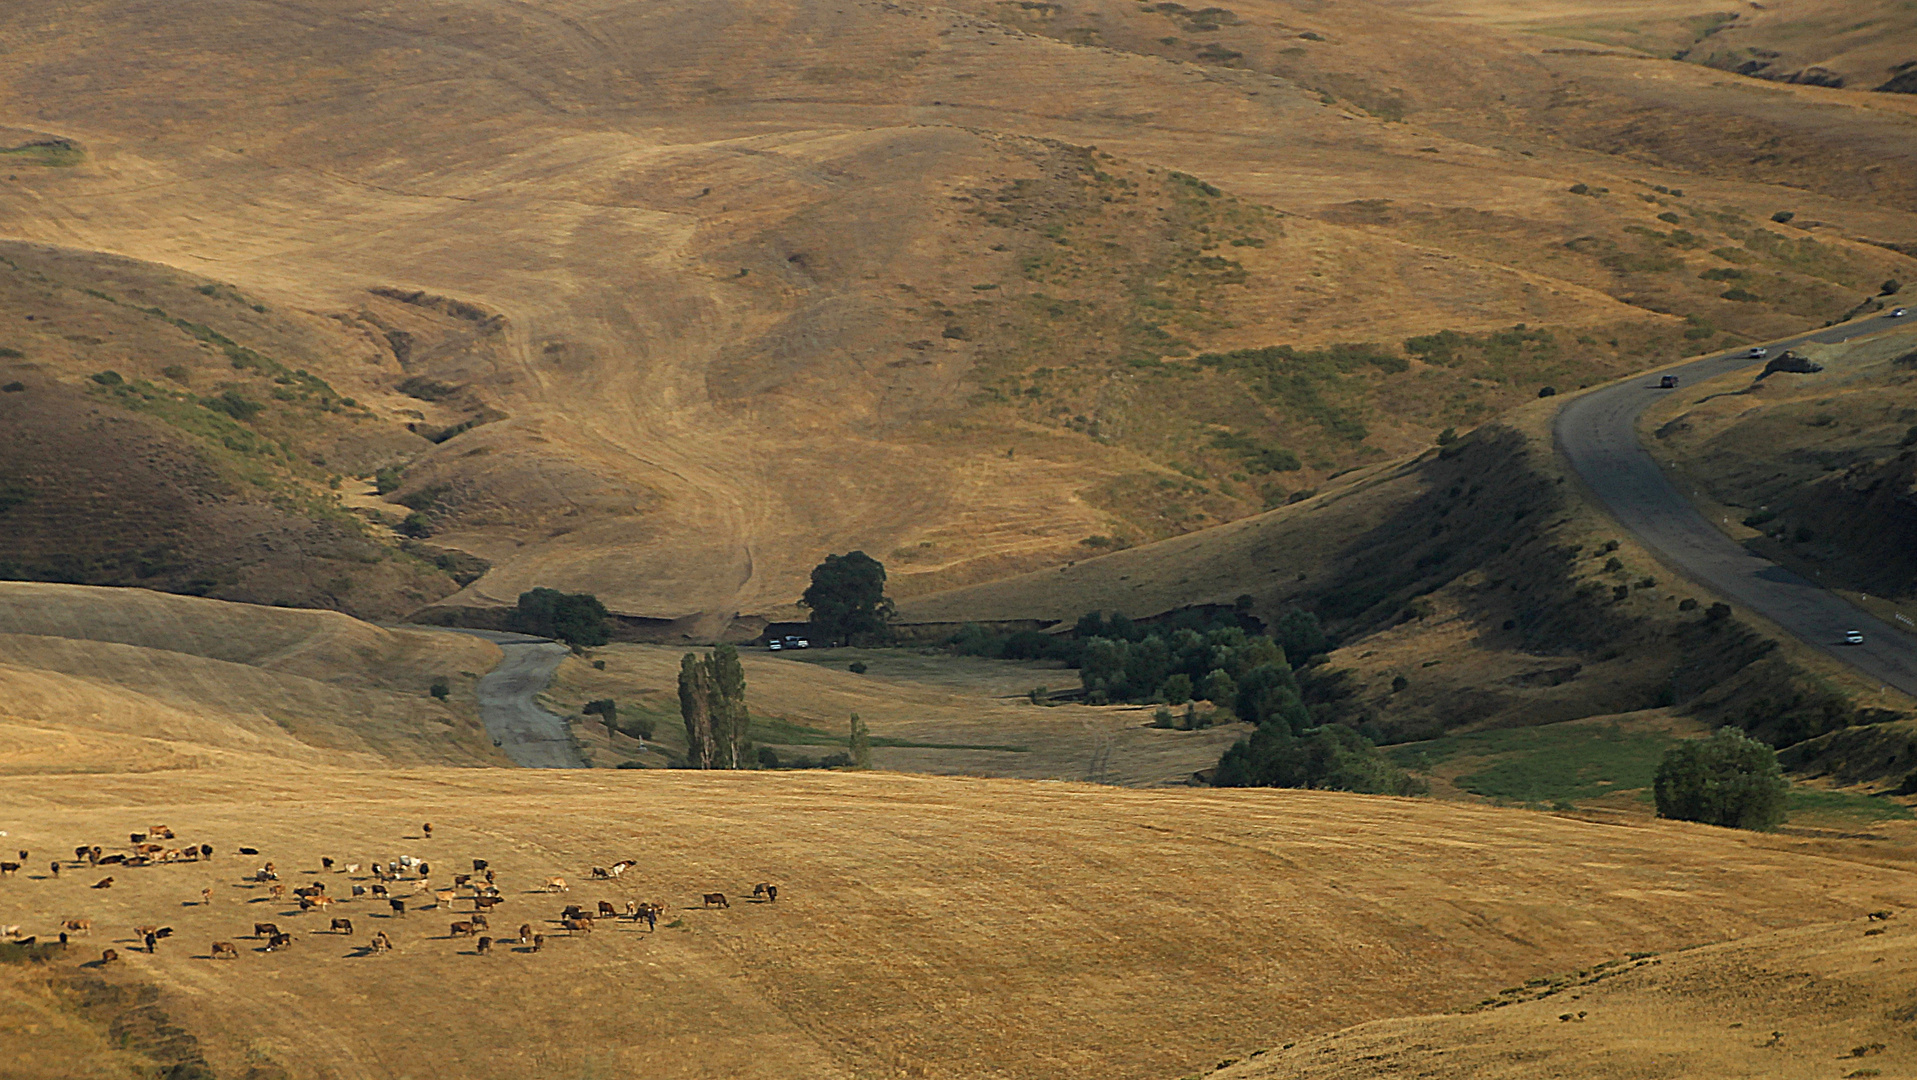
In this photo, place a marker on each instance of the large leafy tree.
(574, 618)
(847, 599)
(1728, 779)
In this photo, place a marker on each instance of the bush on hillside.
(1728, 779)
(1328, 758)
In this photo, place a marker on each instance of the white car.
(1758, 353)
(1853, 637)
(1898, 313)
(790, 641)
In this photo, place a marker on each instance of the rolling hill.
(666, 302)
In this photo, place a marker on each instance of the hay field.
(926, 926)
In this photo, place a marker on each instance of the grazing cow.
(10, 930)
(278, 942)
(206, 895)
(601, 872)
(249, 851)
(461, 879)
(485, 946)
(78, 926)
(398, 906)
(161, 831)
(1878, 916)
(479, 864)
(9, 868)
(359, 890)
(715, 899)
(225, 949)
(379, 890)
(424, 870)
(138, 837)
(109, 956)
(265, 929)
(151, 941)
(556, 884)
(323, 901)
(485, 903)
(479, 923)
(344, 926)
(573, 911)
(352, 868)
(461, 929)
(24, 853)
(770, 892)
(606, 910)
(103, 883)
(326, 862)
(421, 886)
(142, 931)
(278, 892)
(206, 851)
(525, 932)
(445, 897)
(539, 942)
(114, 859)
(489, 877)
(576, 926)
(427, 829)
(382, 943)
(622, 866)
(81, 852)
(54, 866)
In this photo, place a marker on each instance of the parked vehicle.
(1668, 382)
(790, 641)
(1853, 637)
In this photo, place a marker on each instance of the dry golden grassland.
(1103, 932)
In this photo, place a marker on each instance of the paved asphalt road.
(529, 735)
(1597, 433)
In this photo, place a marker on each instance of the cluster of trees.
(574, 618)
(712, 700)
(1728, 779)
(1330, 757)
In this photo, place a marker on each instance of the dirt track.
(531, 736)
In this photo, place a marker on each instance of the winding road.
(1597, 433)
(530, 736)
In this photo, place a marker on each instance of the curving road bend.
(1597, 434)
(508, 705)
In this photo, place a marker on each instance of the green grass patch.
(1555, 763)
(1808, 806)
(54, 154)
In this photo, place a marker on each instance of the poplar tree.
(859, 744)
(695, 705)
(728, 708)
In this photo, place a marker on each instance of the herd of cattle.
(396, 881)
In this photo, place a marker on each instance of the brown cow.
(109, 956)
(55, 867)
(461, 879)
(265, 929)
(575, 926)
(226, 949)
(479, 864)
(382, 943)
(109, 860)
(556, 884)
(606, 910)
(485, 946)
(161, 831)
(206, 895)
(479, 922)
(103, 883)
(461, 929)
(715, 899)
(525, 933)
(279, 891)
(601, 872)
(427, 829)
(486, 903)
(278, 942)
(539, 942)
(343, 925)
(78, 926)
(770, 892)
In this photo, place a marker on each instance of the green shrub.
(1783, 216)
(856, 667)
(387, 480)
(440, 689)
(416, 525)
(1728, 779)
(1328, 758)
(1891, 287)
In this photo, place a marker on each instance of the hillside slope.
(719, 288)
(125, 679)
